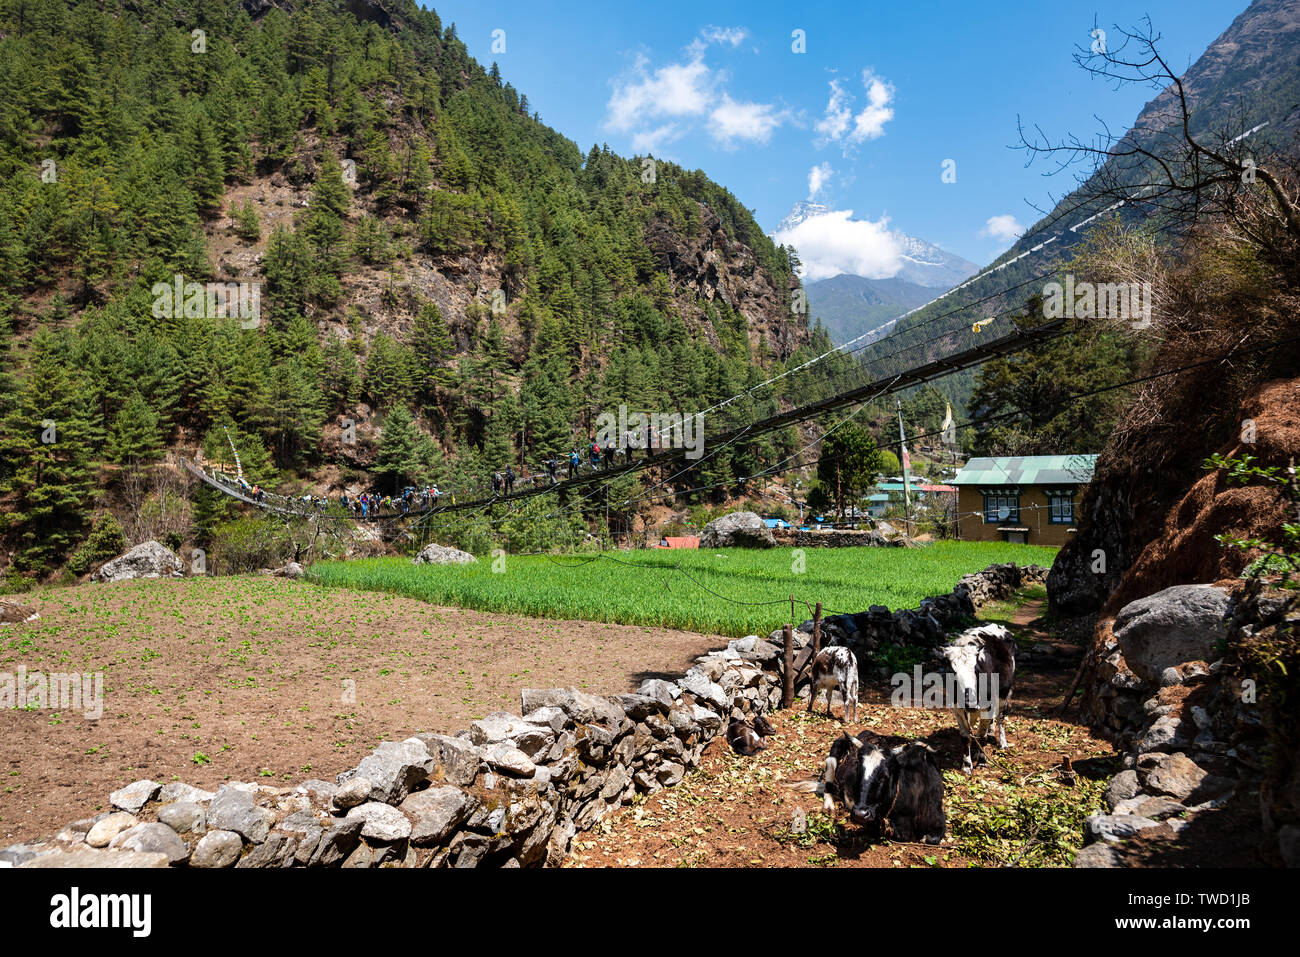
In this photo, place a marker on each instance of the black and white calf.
(743, 738)
(833, 668)
(983, 662)
(902, 788)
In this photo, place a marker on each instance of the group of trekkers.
(503, 481)
(412, 499)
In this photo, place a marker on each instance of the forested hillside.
(436, 265)
(1244, 87)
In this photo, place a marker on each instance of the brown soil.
(208, 680)
(1184, 550)
(736, 811)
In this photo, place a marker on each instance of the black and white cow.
(983, 663)
(857, 774)
(833, 668)
(743, 738)
(901, 787)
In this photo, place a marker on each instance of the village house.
(1026, 499)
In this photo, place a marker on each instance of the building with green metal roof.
(1021, 498)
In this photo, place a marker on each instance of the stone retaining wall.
(510, 791)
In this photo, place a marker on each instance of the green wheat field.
(714, 592)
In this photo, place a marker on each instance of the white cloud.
(870, 123)
(734, 36)
(677, 90)
(834, 242)
(1005, 227)
(839, 123)
(654, 140)
(732, 121)
(836, 121)
(818, 177)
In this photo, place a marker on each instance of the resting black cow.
(902, 787)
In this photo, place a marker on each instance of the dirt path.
(737, 811)
(243, 679)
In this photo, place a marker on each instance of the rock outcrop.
(147, 560)
(737, 530)
(443, 555)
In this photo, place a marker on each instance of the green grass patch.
(714, 592)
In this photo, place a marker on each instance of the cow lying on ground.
(743, 738)
(747, 730)
(902, 788)
(983, 661)
(833, 668)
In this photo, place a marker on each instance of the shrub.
(106, 541)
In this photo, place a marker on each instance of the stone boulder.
(147, 560)
(737, 530)
(443, 555)
(11, 612)
(1175, 625)
(290, 570)
(394, 770)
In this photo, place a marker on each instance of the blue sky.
(883, 95)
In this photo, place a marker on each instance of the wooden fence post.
(817, 630)
(787, 677)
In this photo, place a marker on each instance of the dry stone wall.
(511, 790)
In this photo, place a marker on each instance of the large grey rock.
(352, 792)
(184, 817)
(134, 796)
(737, 530)
(180, 791)
(1175, 625)
(277, 850)
(528, 736)
(147, 560)
(84, 857)
(109, 827)
(581, 707)
(455, 760)
(505, 757)
(664, 691)
(233, 809)
(698, 684)
(443, 555)
(1115, 827)
(337, 842)
(435, 813)
(1174, 774)
(1167, 733)
(394, 769)
(1101, 854)
(1122, 787)
(152, 838)
(381, 822)
(217, 849)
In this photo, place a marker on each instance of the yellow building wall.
(1034, 515)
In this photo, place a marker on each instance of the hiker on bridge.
(574, 462)
(510, 479)
(594, 452)
(497, 482)
(552, 467)
(610, 452)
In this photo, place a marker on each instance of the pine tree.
(134, 437)
(406, 456)
(44, 438)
